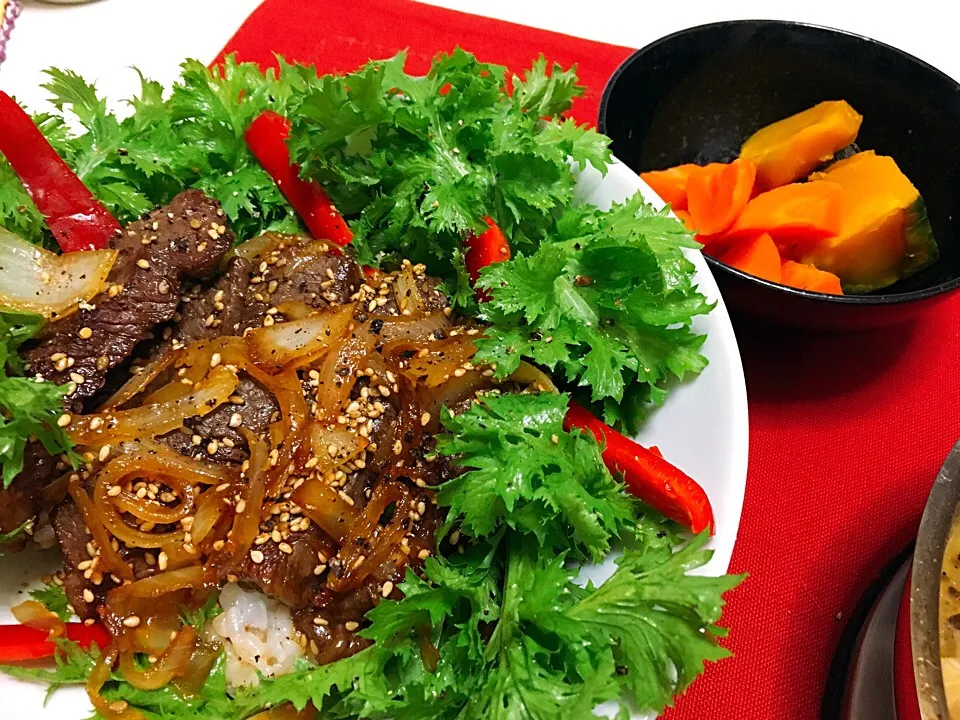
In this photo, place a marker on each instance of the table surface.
(104, 39)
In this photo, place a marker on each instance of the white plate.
(702, 428)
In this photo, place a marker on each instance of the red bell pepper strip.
(647, 475)
(487, 248)
(76, 218)
(267, 139)
(19, 642)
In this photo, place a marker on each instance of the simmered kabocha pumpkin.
(884, 234)
(791, 148)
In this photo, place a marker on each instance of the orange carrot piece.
(807, 277)
(797, 213)
(671, 184)
(717, 194)
(757, 256)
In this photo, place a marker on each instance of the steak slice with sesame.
(255, 413)
(285, 569)
(187, 238)
(73, 536)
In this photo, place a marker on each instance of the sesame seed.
(386, 589)
(215, 360)
(321, 621)
(213, 234)
(163, 287)
(85, 333)
(114, 489)
(351, 625)
(285, 548)
(423, 554)
(64, 420)
(141, 263)
(212, 447)
(346, 498)
(397, 447)
(104, 453)
(256, 556)
(459, 372)
(195, 224)
(236, 399)
(77, 378)
(421, 507)
(241, 505)
(162, 561)
(332, 450)
(131, 622)
(424, 419)
(84, 564)
(88, 595)
(454, 537)
(117, 705)
(319, 569)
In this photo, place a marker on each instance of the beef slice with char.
(288, 577)
(186, 238)
(21, 501)
(226, 301)
(257, 411)
(73, 537)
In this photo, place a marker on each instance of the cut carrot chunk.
(807, 277)
(671, 184)
(757, 256)
(717, 194)
(800, 213)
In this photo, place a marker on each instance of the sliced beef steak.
(22, 500)
(287, 576)
(257, 410)
(187, 238)
(73, 537)
(226, 301)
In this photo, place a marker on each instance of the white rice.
(258, 635)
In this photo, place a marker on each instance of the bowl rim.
(894, 298)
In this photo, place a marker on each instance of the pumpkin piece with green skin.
(885, 235)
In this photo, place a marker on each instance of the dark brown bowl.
(696, 95)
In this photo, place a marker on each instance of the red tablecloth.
(846, 433)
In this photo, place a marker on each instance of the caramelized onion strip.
(153, 420)
(139, 382)
(171, 664)
(109, 558)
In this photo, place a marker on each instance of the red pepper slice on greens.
(267, 139)
(19, 643)
(76, 218)
(647, 474)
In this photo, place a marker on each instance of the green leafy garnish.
(54, 598)
(527, 473)
(29, 408)
(608, 305)
(24, 527)
(200, 616)
(72, 666)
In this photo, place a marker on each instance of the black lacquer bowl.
(696, 95)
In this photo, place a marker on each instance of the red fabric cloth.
(846, 432)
